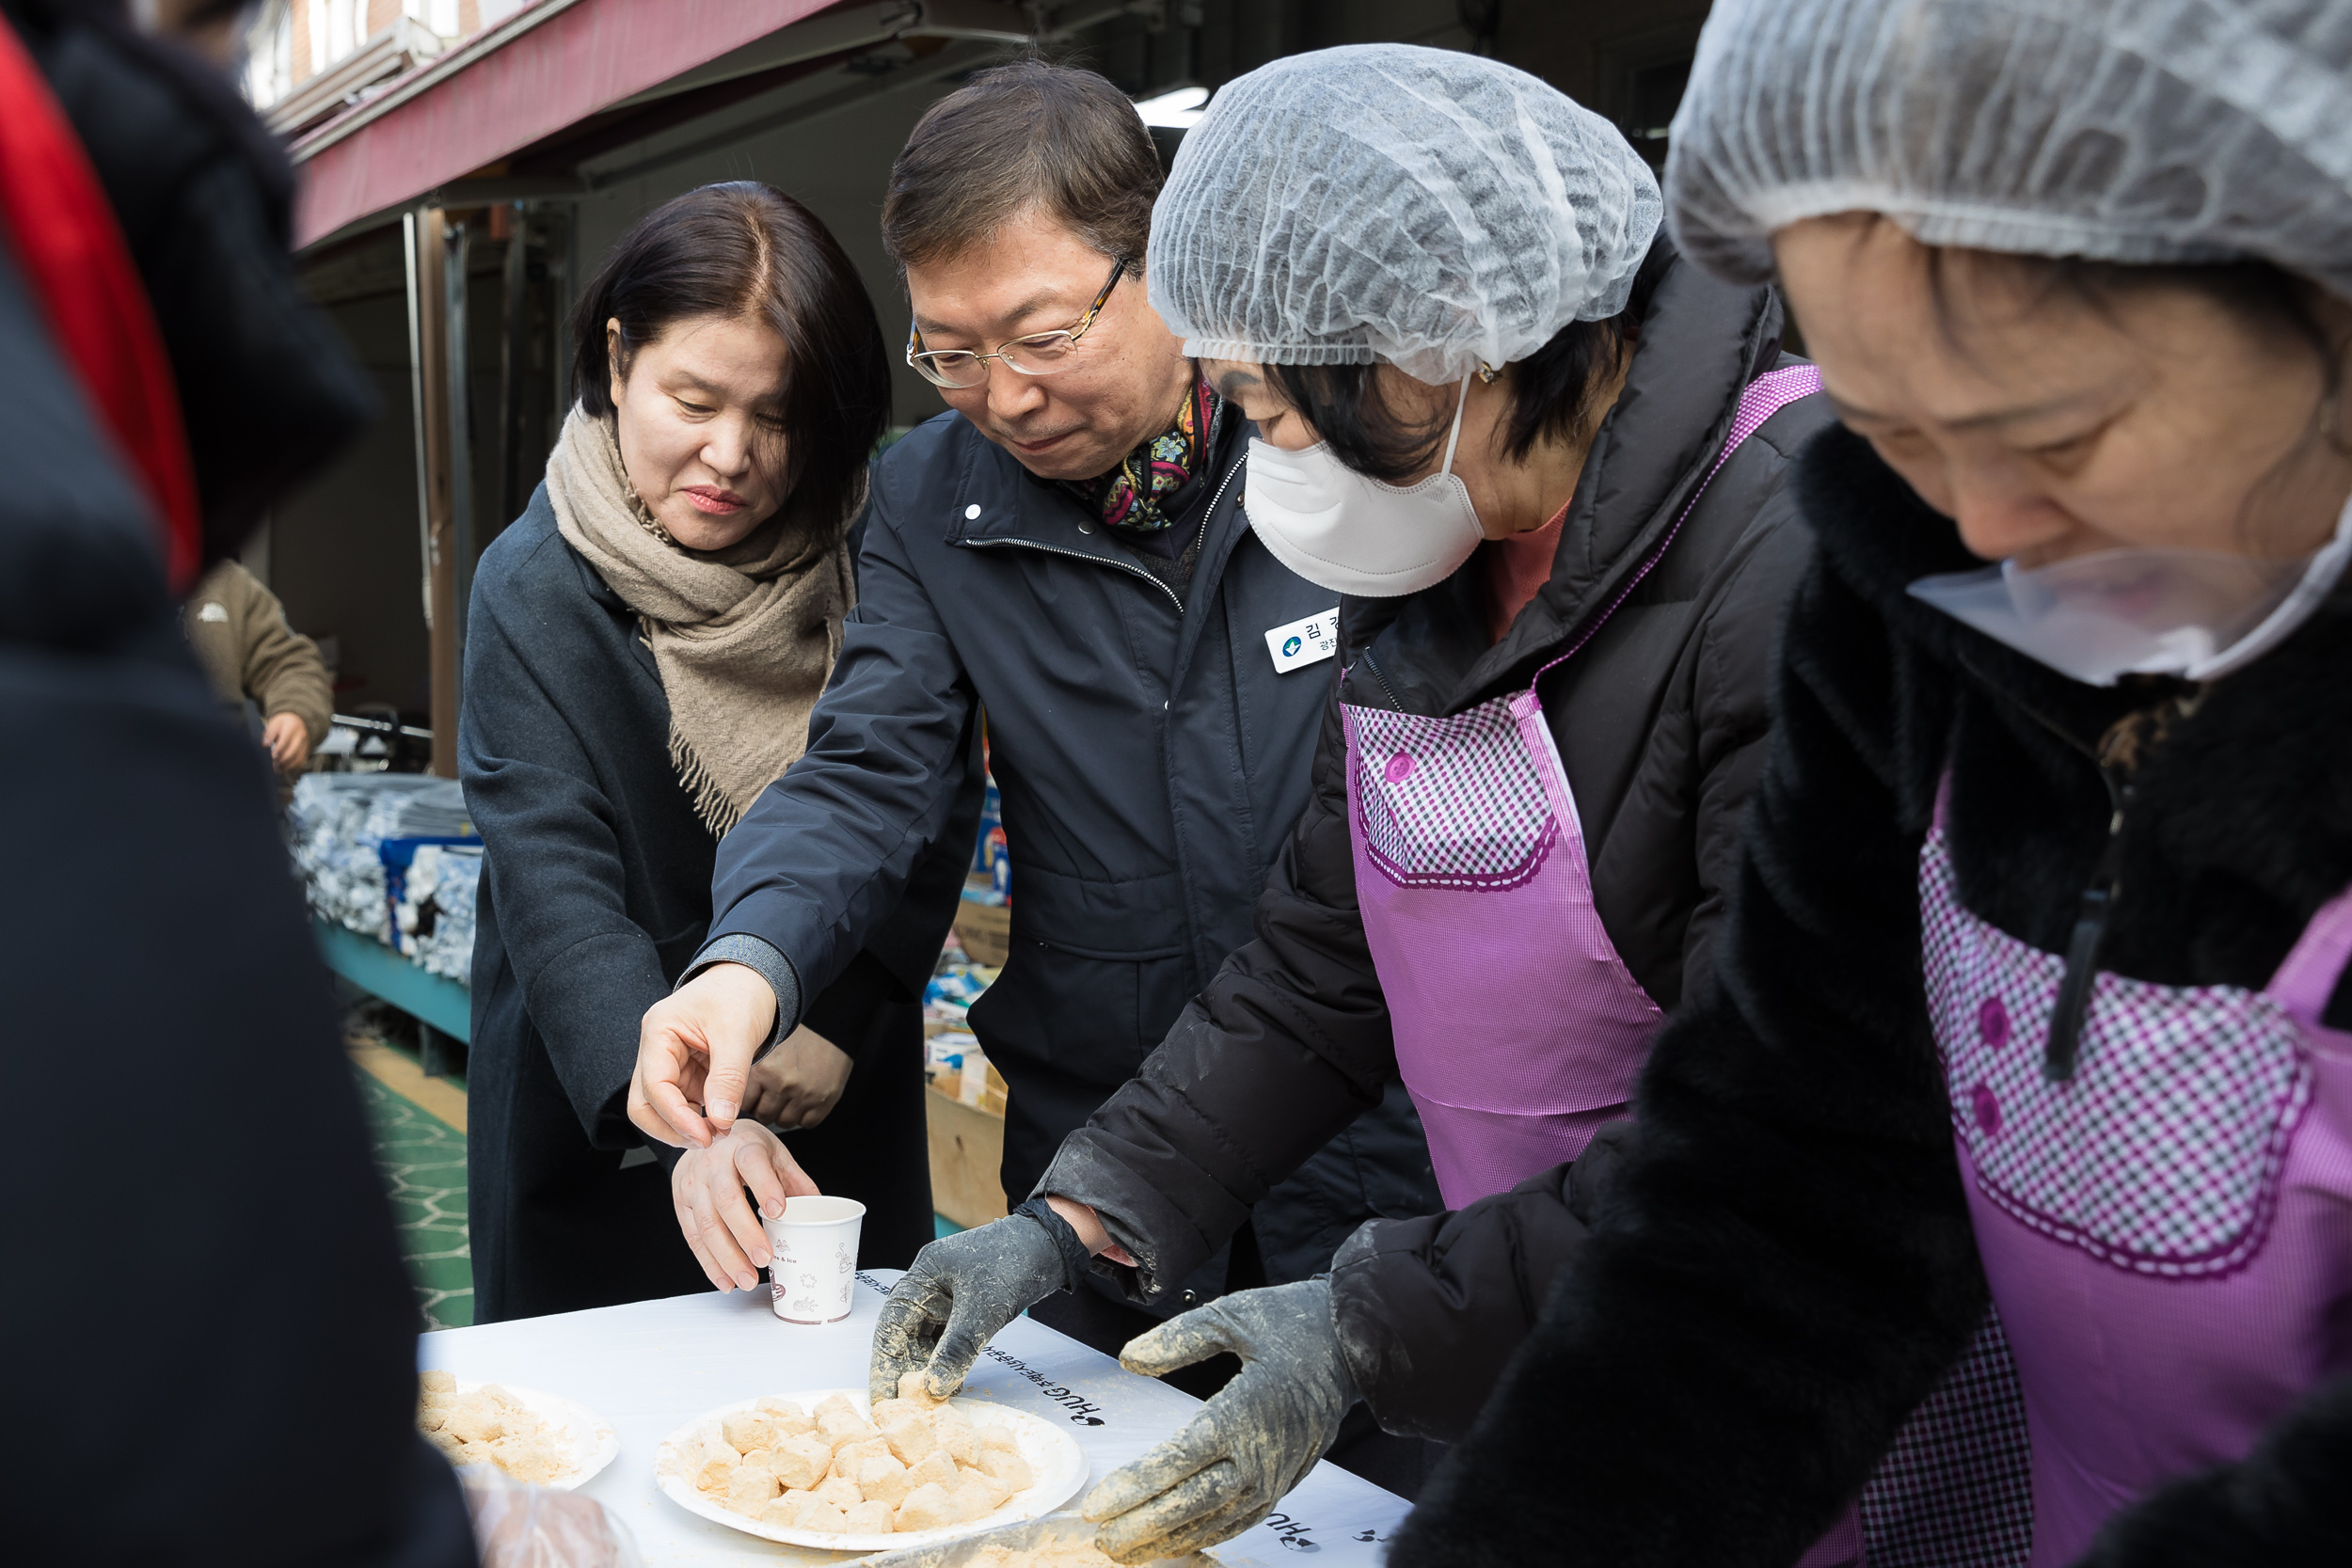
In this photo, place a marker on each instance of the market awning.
(556, 62)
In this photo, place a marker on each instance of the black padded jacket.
(1659, 720)
(1784, 1262)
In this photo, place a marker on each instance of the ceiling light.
(1179, 108)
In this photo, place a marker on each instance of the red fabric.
(76, 264)
(1517, 570)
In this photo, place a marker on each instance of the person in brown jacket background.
(239, 632)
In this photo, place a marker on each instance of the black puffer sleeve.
(1429, 1309)
(1784, 1263)
(1289, 1044)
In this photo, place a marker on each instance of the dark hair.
(1552, 393)
(747, 249)
(1030, 134)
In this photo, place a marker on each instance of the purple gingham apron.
(1519, 1030)
(2168, 1234)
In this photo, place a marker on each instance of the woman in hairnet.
(2012, 1146)
(1542, 461)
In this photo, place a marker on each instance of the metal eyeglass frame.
(917, 357)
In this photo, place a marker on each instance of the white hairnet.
(2135, 130)
(1383, 201)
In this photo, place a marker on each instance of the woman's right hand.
(706, 1188)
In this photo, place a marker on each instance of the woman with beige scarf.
(645, 647)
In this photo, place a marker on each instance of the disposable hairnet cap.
(1383, 201)
(2133, 131)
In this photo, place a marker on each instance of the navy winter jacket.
(1151, 761)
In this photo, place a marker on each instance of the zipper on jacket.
(2116, 756)
(1365, 658)
(1199, 541)
(2082, 945)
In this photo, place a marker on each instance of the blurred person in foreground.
(643, 648)
(250, 654)
(179, 1394)
(2011, 1153)
(1066, 548)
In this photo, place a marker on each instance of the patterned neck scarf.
(1133, 496)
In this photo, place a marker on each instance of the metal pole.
(416, 420)
(460, 429)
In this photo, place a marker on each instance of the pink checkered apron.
(2167, 1233)
(1519, 1030)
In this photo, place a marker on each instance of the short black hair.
(743, 248)
(1029, 134)
(1552, 392)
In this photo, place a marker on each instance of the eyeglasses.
(1039, 354)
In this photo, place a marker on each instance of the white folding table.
(650, 1367)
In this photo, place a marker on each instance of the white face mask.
(2194, 613)
(1343, 532)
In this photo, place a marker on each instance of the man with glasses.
(1067, 551)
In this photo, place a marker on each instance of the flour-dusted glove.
(1249, 1445)
(964, 1287)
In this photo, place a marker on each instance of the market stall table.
(650, 1367)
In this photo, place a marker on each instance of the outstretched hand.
(1250, 1444)
(695, 1053)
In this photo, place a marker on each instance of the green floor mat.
(424, 1161)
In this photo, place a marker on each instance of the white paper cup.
(815, 1258)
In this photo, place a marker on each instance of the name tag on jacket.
(1309, 640)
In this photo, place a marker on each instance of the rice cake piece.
(837, 1427)
(501, 1397)
(714, 1475)
(435, 1381)
(788, 1419)
(475, 1420)
(784, 1510)
(977, 1495)
(534, 1459)
(748, 1433)
(887, 1411)
(884, 1479)
(913, 1388)
(474, 1453)
(1009, 1469)
(956, 1439)
(801, 1463)
(871, 1517)
(911, 1439)
(751, 1489)
(995, 1435)
(928, 1507)
(848, 1456)
(817, 1514)
(840, 1491)
(934, 1467)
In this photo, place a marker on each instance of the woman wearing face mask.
(644, 647)
(1543, 457)
(2013, 1148)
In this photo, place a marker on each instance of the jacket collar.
(997, 501)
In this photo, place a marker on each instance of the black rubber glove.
(962, 1288)
(1250, 1444)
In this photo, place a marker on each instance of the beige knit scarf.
(743, 638)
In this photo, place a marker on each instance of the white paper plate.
(1055, 1459)
(589, 1435)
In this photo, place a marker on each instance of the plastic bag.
(516, 1525)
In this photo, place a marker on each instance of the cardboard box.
(986, 931)
(967, 1144)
